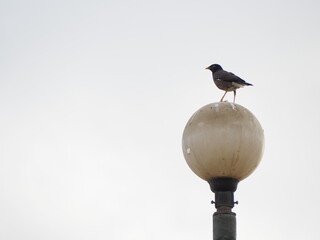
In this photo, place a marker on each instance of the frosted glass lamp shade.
(223, 140)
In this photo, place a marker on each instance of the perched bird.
(226, 81)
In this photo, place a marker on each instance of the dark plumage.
(226, 81)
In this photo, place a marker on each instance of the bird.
(226, 81)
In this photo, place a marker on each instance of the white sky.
(94, 97)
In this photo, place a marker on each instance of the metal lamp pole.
(224, 220)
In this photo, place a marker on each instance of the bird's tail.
(248, 84)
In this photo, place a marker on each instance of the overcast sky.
(94, 97)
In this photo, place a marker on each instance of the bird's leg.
(234, 95)
(223, 96)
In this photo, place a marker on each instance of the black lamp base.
(223, 187)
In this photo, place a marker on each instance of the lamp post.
(223, 144)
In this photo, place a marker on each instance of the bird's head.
(214, 67)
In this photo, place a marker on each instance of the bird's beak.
(207, 68)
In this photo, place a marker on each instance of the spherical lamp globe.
(223, 140)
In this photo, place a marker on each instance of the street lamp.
(223, 144)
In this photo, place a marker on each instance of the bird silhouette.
(226, 81)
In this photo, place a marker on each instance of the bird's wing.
(228, 77)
